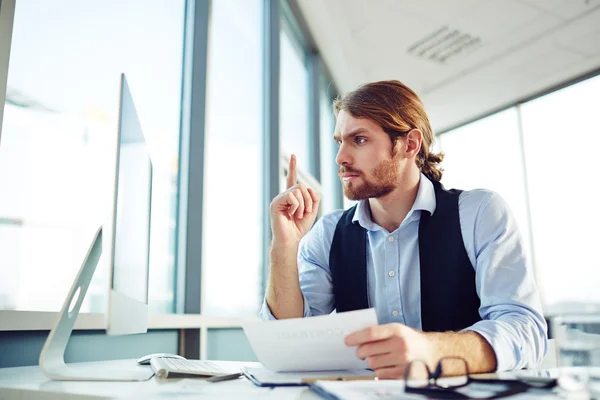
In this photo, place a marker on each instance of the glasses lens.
(453, 372)
(416, 374)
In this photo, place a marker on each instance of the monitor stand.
(52, 357)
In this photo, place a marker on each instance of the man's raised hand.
(293, 212)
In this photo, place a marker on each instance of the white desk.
(24, 383)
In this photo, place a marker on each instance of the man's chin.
(364, 193)
(353, 194)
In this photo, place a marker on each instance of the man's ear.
(414, 141)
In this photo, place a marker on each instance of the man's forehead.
(346, 124)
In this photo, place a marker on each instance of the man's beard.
(385, 178)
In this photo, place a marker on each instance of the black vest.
(449, 300)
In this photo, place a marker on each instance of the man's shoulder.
(478, 202)
(477, 196)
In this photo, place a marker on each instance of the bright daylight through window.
(60, 125)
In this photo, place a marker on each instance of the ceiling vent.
(444, 45)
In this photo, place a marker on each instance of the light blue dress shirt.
(511, 312)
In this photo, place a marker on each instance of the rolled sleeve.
(518, 342)
(512, 319)
(266, 314)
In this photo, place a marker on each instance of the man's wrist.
(468, 345)
(434, 348)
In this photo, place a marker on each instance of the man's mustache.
(348, 170)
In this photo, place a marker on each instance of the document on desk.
(309, 344)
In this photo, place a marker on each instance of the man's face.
(367, 167)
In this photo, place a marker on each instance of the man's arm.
(389, 348)
(468, 345)
(293, 213)
(313, 274)
(512, 318)
(284, 297)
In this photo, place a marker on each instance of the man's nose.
(343, 156)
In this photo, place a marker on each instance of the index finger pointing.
(291, 176)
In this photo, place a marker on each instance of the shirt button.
(390, 239)
(391, 274)
(395, 313)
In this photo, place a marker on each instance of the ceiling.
(464, 58)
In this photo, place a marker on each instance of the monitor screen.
(130, 229)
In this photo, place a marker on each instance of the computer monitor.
(127, 246)
(129, 232)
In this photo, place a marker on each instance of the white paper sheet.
(309, 344)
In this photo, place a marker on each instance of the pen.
(221, 378)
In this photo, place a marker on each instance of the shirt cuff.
(507, 355)
(266, 314)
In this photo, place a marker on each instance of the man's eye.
(361, 140)
(339, 142)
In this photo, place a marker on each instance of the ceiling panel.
(564, 9)
(492, 88)
(490, 21)
(385, 52)
(554, 61)
(504, 49)
(525, 46)
(441, 12)
(587, 45)
(581, 35)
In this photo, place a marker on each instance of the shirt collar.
(425, 201)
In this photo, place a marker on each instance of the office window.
(562, 138)
(233, 219)
(293, 100)
(57, 148)
(487, 154)
(330, 181)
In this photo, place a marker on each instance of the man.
(444, 269)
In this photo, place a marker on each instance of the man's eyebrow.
(349, 135)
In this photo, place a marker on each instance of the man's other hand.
(389, 348)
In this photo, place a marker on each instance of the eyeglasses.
(451, 380)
